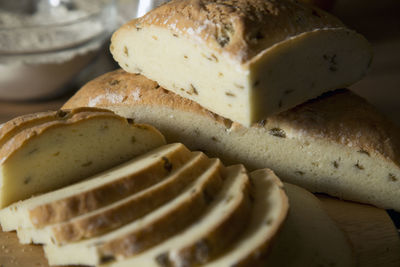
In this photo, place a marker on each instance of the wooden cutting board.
(370, 230)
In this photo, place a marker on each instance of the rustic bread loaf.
(337, 144)
(243, 60)
(148, 230)
(117, 214)
(103, 189)
(62, 151)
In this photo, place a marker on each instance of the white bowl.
(39, 57)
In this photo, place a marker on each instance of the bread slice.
(148, 230)
(244, 60)
(219, 227)
(99, 191)
(121, 212)
(89, 141)
(18, 124)
(336, 144)
(309, 236)
(268, 215)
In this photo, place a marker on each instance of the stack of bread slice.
(231, 78)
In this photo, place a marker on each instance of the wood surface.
(372, 233)
(370, 230)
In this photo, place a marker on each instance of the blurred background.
(35, 78)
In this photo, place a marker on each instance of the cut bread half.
(336, 144)
(309, 236)
(244, 60)
(61, 152)
(99, 191)
(215, 230)
(121, 212)
(148, 230)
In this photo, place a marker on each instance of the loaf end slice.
(309, 237)
(244, 60)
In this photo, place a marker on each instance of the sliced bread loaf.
(60, 152)
(148, 230)
(121, 212)
(103, 189)
(336, 144)
(243, 60)
(220, 227)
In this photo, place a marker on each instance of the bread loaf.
(243, 60)
(99, 191)
(67, 149)
(337, 144)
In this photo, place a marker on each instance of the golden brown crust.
(340, 116)
(124, 89)
(241, 28)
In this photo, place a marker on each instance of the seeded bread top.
(340, 116)
(240, 28)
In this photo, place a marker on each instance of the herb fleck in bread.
(243, 60)
(337, 144)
